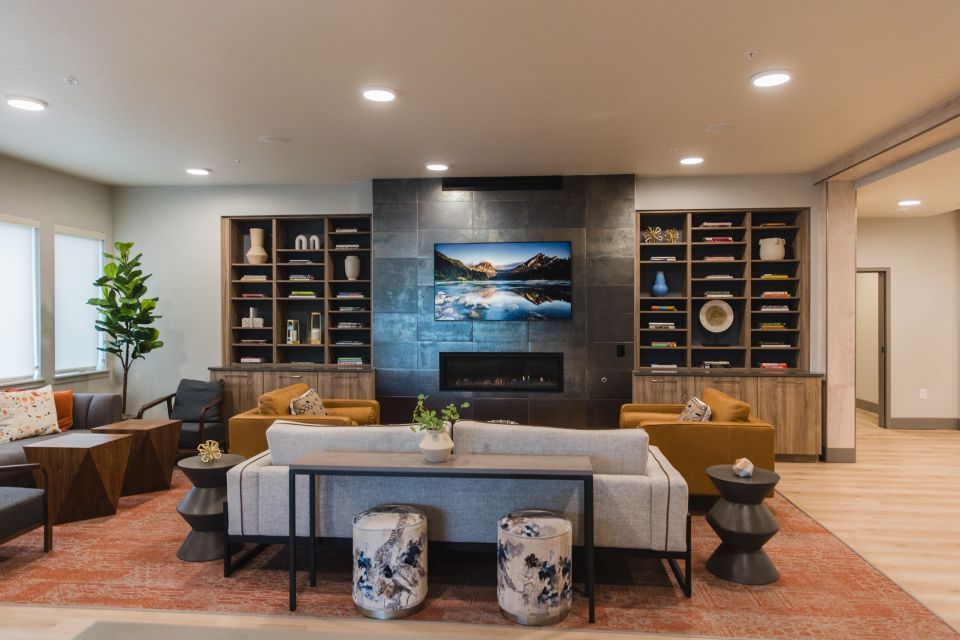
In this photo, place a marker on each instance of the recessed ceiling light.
(274, 140)
(379, 94)
(691, 160)
(909, 203)
(26, 104)
(772, 78)
(199, 171)
(437, 166)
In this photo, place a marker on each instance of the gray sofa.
(89, 410)
(640, 500)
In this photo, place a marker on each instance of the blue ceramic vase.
(659, 288)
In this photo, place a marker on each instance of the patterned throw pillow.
(309, 404)
(25, 414)
(696, 411)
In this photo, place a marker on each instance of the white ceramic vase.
(256, 254)
(351, 265)
(436, 445)
(772, 248)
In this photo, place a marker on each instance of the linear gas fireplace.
(501, 371)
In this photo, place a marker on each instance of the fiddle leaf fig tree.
(126, 313)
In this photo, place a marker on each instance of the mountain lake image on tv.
(502, 281)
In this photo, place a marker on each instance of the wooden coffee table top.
(134, 425)
(77, 441)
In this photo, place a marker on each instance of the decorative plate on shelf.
(716, 316)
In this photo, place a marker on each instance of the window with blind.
(20, 292)
(78, 260)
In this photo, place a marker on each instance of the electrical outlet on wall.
(923, 394)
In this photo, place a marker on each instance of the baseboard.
(840, 455)
(866, 405)
(923, 423)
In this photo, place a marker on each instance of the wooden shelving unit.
(339, 300)
(703, 269)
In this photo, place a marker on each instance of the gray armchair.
(199, 406)
(23, 509)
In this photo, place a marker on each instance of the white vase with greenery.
(435, 441)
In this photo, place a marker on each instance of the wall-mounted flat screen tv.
(502, 281)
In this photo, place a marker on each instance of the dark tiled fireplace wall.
(595, 213)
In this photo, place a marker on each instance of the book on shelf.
(717, 294)
(347, 245)
(774, 345)
(351, 325)
(350, 294)
(301, 276)
(716, 364)
(663, 307)
(251, 360)
(349, 343)
(303, 294)
(775, 294)
(719, 276)
(719, 259)
(253, 278)
(718, 239)
(774, 307)
(662, 366)
(774, 224)
(663, 258)
(253, 340)
(661, 325)
(773, 325)
(774, 276)
(349, 361)
(346, 230)
(715, 225)
(663, 344)
(774, 365)
(300, 261)
(349, 309)
(253, 295)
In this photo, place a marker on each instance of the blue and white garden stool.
(389, 561)
(535, 567)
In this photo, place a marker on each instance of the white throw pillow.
(696, 411)
(25, 414)
(309, 404)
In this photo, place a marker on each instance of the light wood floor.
(898, 506)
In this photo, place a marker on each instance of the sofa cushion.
(277, 402)
(192, 396)
(19, 508)
(612, 451)
(724, 408)
(288, 440)
(95, 409)
(25, 414)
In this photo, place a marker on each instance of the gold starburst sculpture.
(209, 451)
(653, 234)
(672, 236)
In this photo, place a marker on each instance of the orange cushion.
(277, 402)
(724, 408)
(64, 403)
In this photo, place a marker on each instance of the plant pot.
(351, 265)
(436, 446)
(256, 254)
(773, 248)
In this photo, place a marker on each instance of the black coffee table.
(202, 507)
(744, 525)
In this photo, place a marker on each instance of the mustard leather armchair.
(691, 447)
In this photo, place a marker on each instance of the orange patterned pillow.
(25, 414)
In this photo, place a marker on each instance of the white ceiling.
(935, 182)
(493, 87)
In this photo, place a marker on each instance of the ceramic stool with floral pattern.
(535, 567)
(389, 561)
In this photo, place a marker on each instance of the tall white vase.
(351, 265)
(256, 254)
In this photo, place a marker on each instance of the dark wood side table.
(202, 507)
(152, 454)
(744, 525)
(85, 473)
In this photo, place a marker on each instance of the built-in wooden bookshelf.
(293, 284)
(769, 298)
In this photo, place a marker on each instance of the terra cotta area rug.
(129, 560)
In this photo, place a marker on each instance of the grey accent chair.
(23, 509)
(198, 404)
(89, 410)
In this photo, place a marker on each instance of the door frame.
(883, 315)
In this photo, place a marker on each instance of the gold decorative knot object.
(209, 451)
(672, 236)
(653, 234)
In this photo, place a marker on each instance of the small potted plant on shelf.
(435, 441)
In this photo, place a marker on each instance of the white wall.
(178, 231)
(742, 192)
(923, 255)
(51, 197)
(868, 336)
